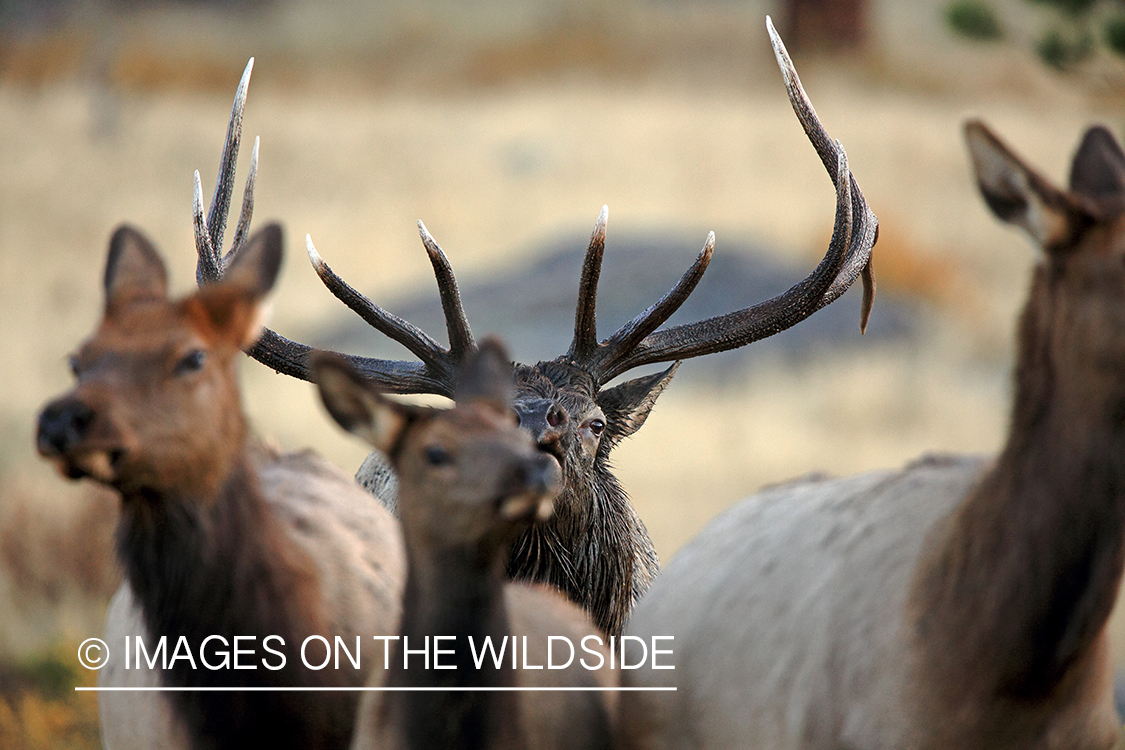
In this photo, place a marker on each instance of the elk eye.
(437, 456)
(191, 362)
(597, 427)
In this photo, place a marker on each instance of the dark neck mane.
(224, 566)
(587, 550)
(1023, 578)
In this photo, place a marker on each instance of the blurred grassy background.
(505, 126)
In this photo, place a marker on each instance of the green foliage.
(1062, 50)
(1114, 34)
(1072, 8)
(973, 19)
(1070, 34)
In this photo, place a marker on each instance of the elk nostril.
(63, 425)
(556, 416)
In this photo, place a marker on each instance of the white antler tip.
(427, 238)
(314, 256)
(198, 191)
(709, 245)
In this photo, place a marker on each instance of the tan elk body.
(957, 603)
(218, 536)
(469, 481)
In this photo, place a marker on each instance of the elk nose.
(544, 419)
(63, 425)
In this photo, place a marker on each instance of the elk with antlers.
(594, 548)
(959, 602)
(225, 544)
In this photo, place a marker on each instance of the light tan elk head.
(594, 548)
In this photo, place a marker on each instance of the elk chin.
(101, 465)
(535, 501)
(531, 506)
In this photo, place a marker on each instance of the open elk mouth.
(554, 450)
(100, 465)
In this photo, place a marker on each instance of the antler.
(635, 344)
(849, 256)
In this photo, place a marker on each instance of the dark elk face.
(560, 405)
(156, 403)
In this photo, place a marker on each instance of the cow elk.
(470, 480)
(220, 538)
(594, 548)
(960, 602)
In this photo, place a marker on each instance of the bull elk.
(219, 537)
(594, 548)
(960, 602)
(470, 481)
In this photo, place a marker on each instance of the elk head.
(1073, 328)
(474, 477)
(594, 548)
(156, 405)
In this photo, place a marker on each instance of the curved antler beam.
(848, 257)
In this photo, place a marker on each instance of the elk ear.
(133, 269)
(355, 404)
(487, 377)
(235, 307)
(1017, 194)
(628, 405)
(1098, 170)
(256, 265)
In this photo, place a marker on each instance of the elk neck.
(458, 592)
(1022, 579)
(223, 565)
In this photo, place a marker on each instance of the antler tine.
(585, 340)
(631, 334)
(243, 229)
(413, 338)
(208, 269)
(457, 324)
(859, 260)
(224, 183)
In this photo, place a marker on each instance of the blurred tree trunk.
(824, 24)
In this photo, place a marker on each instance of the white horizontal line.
(372, 689)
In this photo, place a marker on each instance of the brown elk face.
(1076, 312)
(156, 405)
(469, 475)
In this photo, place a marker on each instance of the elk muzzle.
(66, 435)
(532, 487)
(546, 421)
